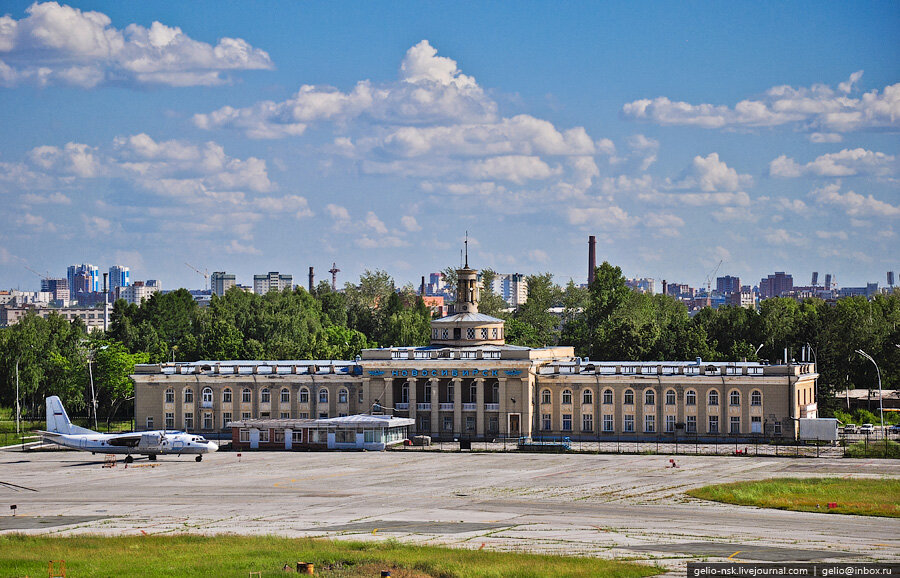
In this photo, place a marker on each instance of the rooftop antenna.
(334, 271)
(467, 250)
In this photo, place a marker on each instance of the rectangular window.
(226, 417)
(207, 421)
(323, 415)
(690, 424)
(170, 421)
(713, 424)
(245, 396)
(494, 333)
(607, 422)
(304, 396)
(170, 396)
(279, 436)
(777, 428)
(493, 424)
(245, 415)
(264, 415)
(360, 396)
(424, 423)
(470, 333)
(755, 424)
(587, 422)
(448, 423)
(285, 415)
(628, 424)
(188, 396)
(188, 421)
(484, 333)
(670, 423)
(545, 422)
(150, 422)
(567, 422)
(303, 415)
(244, 435)
(735, 425)
(608, 397)
(470, 423)
(264, 436)
(297, 436)
(650, 423)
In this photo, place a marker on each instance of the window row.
(690, 397)
(650, 426)
(265, 395)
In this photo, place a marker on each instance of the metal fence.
(669, 445)
(29, 424)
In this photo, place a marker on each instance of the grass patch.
(864, 497)
(874, 449)
(185, 555)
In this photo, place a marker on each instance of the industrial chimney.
(312, 279)
(592, 258)
(422, 289)
(665, 287)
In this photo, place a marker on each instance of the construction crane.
(41, 275)
(710, 277)
(334, 271)
(205, 274)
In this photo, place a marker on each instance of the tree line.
(605, 321)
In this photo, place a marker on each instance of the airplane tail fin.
(58, 420)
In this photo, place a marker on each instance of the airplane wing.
(129, 440)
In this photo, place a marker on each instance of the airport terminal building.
(469, 384)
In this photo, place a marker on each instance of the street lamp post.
(18, 409)
(880, 397)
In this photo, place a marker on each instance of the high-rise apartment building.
(138, 291)
(119, 276)
(59, 288)
(727, 285)
(644, 285)
(775, 285)
(84, 278)
(220, 282)
(272, 281)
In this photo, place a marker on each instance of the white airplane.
(150, 443)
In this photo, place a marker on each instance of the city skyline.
(763, 136)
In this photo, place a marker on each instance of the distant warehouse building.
(469, 384)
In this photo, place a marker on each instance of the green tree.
(490, 303)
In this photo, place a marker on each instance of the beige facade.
(469, 384)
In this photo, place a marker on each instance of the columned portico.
(479, 408)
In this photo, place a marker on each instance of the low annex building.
(469, 384)
(355, 432)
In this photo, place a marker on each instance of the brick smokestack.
(592, 258)
(665, 287)
(422, 292)
(312, 279)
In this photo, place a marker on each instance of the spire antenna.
(467, 249)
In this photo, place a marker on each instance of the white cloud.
(825, 137)
(740, 199)
(854, 204)
(73, 159)
(48, 199)
(410, 224)
(337, 212)
(611, 217)
(58, 44)
(818, 108)
(376, 224)
(841, 235)
(711, 174)
(539, 256)
(841, 164)
(236, 247)
(782, 237)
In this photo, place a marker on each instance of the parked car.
(849, 428)
(894, 429)
(867, 429)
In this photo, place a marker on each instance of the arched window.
(649, 397)
(188, 395)
(246, 395)
(285, 395)
(607, 396)
(713, 397)
(495, 393)
(206, 395)
(545, 396)
(756, 397)
(734, 398)
(587, 397)
(670, 397)
(567, 396)
(690, 397)
(304, 395)
(265, 396)
(226, 395)
(170, 395)
(323, 395)
(629, 397)
(343, 395)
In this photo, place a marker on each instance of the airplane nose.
(213, 447)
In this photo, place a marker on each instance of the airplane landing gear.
(152, 457)
(129, 459)
(199, 458)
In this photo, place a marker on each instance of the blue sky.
(252, 137)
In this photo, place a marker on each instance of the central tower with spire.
(467, 327)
